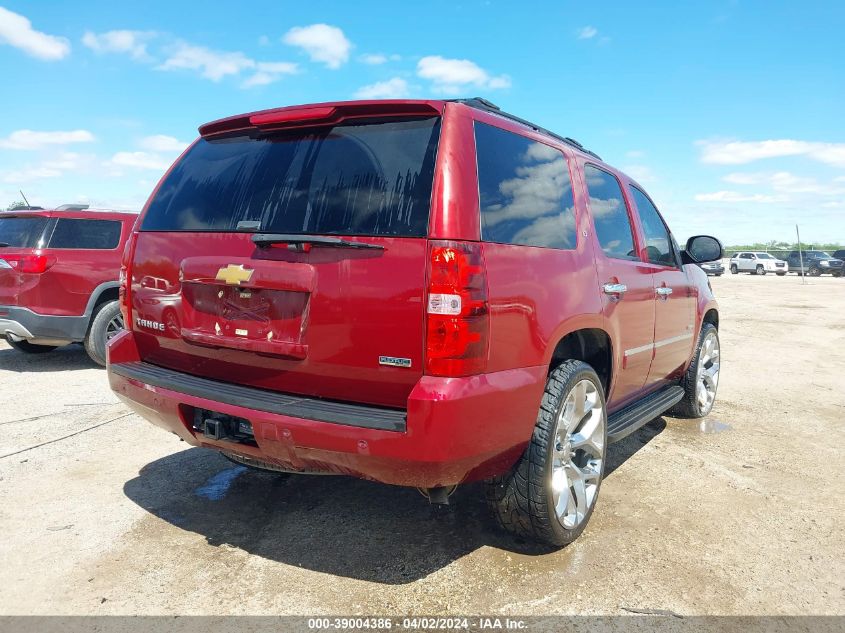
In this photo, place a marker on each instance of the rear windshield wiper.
(3, 244)
(268, 239)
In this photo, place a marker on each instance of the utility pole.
(800, 254)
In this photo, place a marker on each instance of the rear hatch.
(292, 260)
(21, 237)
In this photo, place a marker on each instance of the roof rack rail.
(72, 207)
(483, 104)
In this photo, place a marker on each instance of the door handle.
(664, 292)
(615, 289)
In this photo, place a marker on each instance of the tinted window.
(86, 234)
(525, 190)
(658, 244)
(610, 214)
(22, 232)
(356, 179)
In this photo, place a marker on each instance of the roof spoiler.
(318, 114)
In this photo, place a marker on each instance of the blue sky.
(731, 113)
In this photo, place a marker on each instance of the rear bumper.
(455, 429)
(23, 323)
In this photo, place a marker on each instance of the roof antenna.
(24, 197)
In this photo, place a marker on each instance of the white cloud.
(453, 76)
(735, 196)
(215, 65)
(132, 43)
(17, 31)
(269, 72)
(375, 59)
(786, 182)
(587, 32)
(30, 139)
(162, 143)
(395, 88)
(323, 43)
(51, 168)
(140, 160)
(742, 152)
(641, 173)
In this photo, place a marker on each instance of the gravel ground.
(739, 513)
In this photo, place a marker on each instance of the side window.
(86, 234)
(658, 244)
(610, 214)
(525, 191)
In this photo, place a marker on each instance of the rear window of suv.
(22, 232)
(364, 178)
(86, 234)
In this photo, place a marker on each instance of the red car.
(421, 293)
(59, 278)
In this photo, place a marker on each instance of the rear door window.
(23, 232)
(525, 190)
(86, 234)
(364, 178)
(610, 214)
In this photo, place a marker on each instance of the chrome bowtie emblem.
(234, 275)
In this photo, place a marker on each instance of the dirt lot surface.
(741, 513)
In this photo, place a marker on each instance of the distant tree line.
(785, 246)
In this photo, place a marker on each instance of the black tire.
(734, 269)
(101, 330)
(760, 270)
(689, 406)
(522, 499)
(30, 348)
(815, 272)
(781, 274)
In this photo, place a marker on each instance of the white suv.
(758, 264)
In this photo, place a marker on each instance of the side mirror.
(702, 248)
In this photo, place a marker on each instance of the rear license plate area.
(260, 320)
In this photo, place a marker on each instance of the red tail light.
(125, 281)
(35, 264)
(458, 318)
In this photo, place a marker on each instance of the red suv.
(421, 293)
(59, 278)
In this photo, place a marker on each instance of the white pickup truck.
(757, 263)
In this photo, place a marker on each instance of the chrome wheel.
(577, 454)
(707, 379)
(114, 327)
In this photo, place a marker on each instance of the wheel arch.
(593, 345)
(105, 292)
(711, 315)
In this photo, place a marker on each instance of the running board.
(628, 419)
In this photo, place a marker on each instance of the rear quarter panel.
(536, 295)
(67, 287)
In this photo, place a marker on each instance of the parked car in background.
(715, 269)
(840, 254)
(757, 263)
(814, 263)
(377, 289)
(59, 278)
